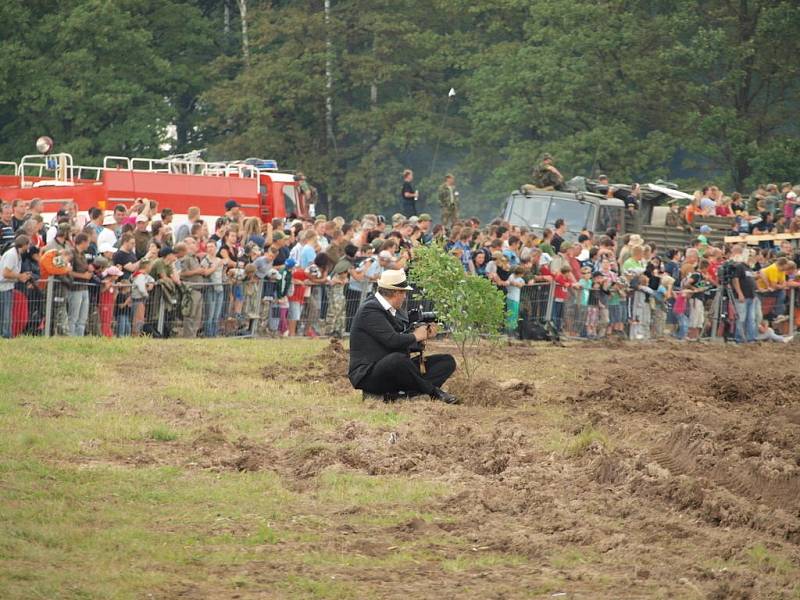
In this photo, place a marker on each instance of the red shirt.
(724, 211)
(563, 285)
(299, 292)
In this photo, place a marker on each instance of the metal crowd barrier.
(61, 307)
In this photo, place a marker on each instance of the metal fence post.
(161, 311)
(548, 313)
(48, 307)
(716, 306)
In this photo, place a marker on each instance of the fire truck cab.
(257, 185)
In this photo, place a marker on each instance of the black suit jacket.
(374, 334)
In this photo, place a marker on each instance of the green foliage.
(682, 89)
(471, 306)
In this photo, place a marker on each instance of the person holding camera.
(381, 345)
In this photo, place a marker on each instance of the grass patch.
(363, 490)
(584, 439)
(162, 434)
(769, 562)
(481, 561)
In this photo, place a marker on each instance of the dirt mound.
(486, 392)
(328, 366)
(212, 449)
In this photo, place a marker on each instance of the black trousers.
(397, 372)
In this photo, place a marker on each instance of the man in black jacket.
(380, 351)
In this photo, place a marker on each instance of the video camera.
(417, 317)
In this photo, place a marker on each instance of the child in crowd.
(105, 305)
(283, 287)
(565, 283)
(514, 291)
(767, 334)
(297, 297)
(141, 285)
(597, 303)
(662, 296)
(585, 286)
(252, 296)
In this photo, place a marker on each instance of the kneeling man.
(380, 348)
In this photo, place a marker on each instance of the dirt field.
(586, 471)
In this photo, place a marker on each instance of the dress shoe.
(440, 394)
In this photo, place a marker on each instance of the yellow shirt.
(773, 275)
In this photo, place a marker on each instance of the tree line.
(353, 91)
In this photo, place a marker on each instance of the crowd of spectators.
(131, 272)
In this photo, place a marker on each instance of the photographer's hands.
(421, 333)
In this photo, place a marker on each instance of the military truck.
(538, 209)
(587, 206)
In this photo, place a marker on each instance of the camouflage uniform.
(336, 319)
(449, 203)
(543, 177)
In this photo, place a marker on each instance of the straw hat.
(392, 279)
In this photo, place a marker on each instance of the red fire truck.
(177, 183)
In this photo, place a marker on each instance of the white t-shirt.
(12, 261)
(107, 236)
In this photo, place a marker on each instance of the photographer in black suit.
(380, 348)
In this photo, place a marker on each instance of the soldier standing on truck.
(448, 200)
(546, 176)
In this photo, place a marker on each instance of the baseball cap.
(109, 220)
(425, 217)
(231, 204)
(385, 255)
(566, 246)
(112, 272)
(705, 229)
(320, 218)
(702, 239)
(277, 236)
(106, 247)
(142, 219)
(290, 263)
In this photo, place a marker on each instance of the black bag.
(533, 330)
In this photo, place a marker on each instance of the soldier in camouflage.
(448, 200)
(546, 176)
(335, 321)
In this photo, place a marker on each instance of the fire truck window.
(289, 199)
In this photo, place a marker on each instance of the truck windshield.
(529, 212)
(576, 215)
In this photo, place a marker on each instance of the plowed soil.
(620, 471)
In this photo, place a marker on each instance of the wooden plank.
(753, 240)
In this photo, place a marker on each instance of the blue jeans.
(78, 311)
(213, 311)
(5, 313)
(558, 311)
(124, 324)
(746, 327)
(683, 326)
